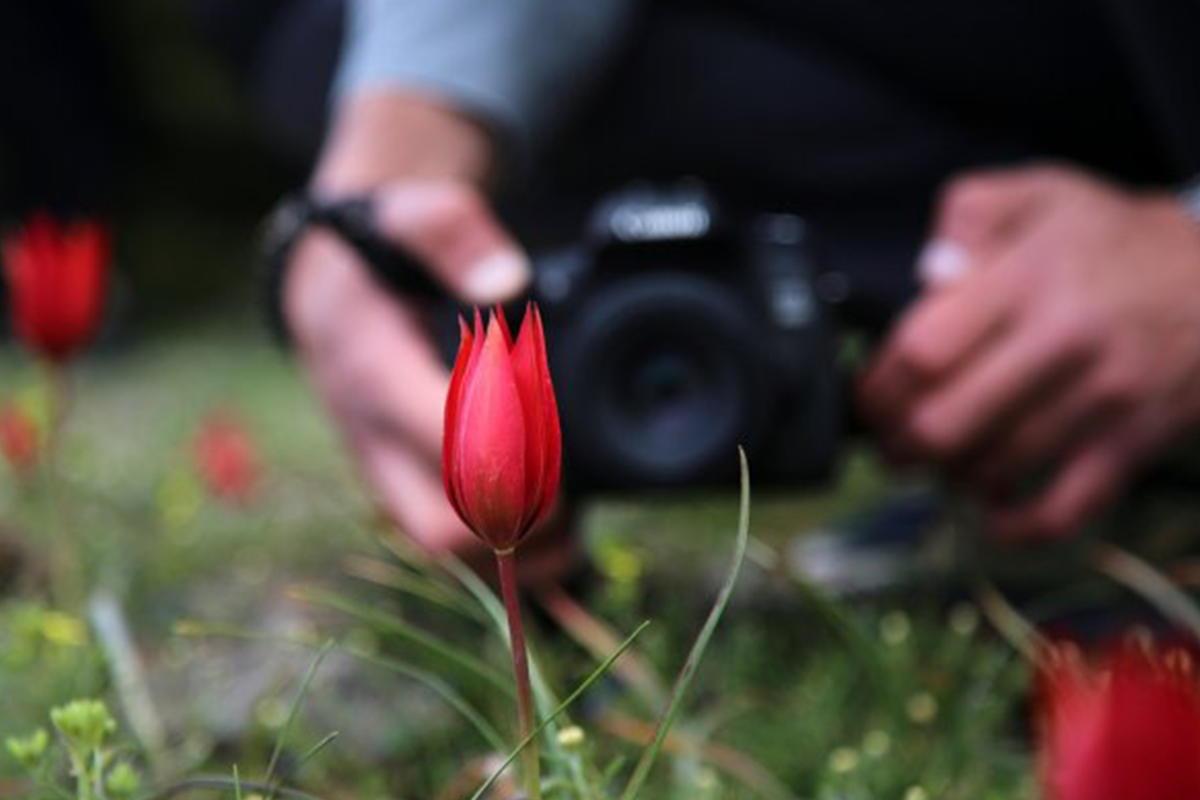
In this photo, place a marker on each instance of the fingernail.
(497, 277)
(942, 262)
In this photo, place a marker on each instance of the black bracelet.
(351, 218)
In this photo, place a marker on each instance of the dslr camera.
(676, 332)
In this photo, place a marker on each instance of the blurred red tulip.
(225, 458)
(1124, 728)
(18, 439)
(56, 280)
(502, 451)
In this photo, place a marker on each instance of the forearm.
(383, 134)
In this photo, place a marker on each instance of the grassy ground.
(902, 696)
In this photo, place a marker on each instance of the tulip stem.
(506, 562)
(62, 559)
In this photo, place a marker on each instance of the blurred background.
(182, 123)
(157, 115)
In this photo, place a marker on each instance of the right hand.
(369, 355)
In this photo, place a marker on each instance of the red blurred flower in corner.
(226, 458)
(18, 439)
(502, 449)
(1126, 727)
(56, 274)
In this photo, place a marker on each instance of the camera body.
(676, 334)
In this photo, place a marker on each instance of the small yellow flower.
(964, 619)
(922, 708)
(63, 629)
(877, 743)
(895, 628)
(571, 738)
(843, 760)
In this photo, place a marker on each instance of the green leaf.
(675, 703)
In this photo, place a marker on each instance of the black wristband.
(351, 218)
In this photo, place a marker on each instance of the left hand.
(1069, 348)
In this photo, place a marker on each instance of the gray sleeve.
(515, 64)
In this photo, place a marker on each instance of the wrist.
(342, 232)
(387, 135)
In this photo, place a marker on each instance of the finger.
(387, 375)
(939, 334)
(412, 494)
(452, 230)
(980, 211)
(1009, 380)
(977, 216)
(1089, 480)
(1084, 406)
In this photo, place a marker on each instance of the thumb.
(451, 229)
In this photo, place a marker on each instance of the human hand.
(368, 353)
(1068, 347)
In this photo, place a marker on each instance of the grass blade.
(1155, 587)
(411, 583)
(428, 679)
(312, 752)
(683, 682)
(443, 689)
(734, 763)
(188, 787)
(431, 644)
(852, 633)
(595, 636)
(1012, 626)
(294, 712)
(596, 675)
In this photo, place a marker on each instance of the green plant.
(84, 741)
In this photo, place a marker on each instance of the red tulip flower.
(56, 280)
(502, 451)
(18, 439)
(1127, 728)
(501, 462)
(226, 459)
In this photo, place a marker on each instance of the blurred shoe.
(883, 549)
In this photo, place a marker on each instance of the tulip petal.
(1126, 729)
(478, 339)
(450, 429)
(550, 423)
(498, 315)
(541, 417)
(526, 371)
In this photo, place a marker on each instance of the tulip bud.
(225, 458)
(56, 278)
(502, 450)
(18, 439)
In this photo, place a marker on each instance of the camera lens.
(660, 380)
